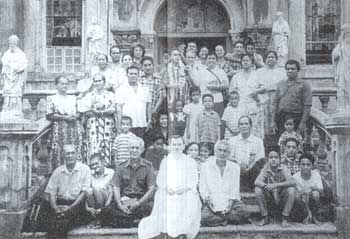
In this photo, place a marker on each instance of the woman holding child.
(246, 82)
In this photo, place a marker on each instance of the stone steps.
(272, 231)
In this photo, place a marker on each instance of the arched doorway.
(205, 22)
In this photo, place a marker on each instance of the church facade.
(54, 32)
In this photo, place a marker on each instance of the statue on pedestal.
(280, 33)
(341, 61)
(13, 76)
(94, 38)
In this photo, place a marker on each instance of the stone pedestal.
(339, 127)
(15, 171)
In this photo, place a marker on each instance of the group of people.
(171, 147)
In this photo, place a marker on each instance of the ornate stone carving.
(280, 34)
(124, 38)
(260, 37)
(192, 16)
(341, 61)
(147, 41)
(13, 77)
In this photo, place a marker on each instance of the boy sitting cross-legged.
(275, 187)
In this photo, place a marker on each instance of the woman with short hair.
(98, 108)
(61, 111)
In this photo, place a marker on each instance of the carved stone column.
(339, 127)
(124, 38)
(148, 41)
(15, 171)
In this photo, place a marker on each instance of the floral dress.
(63, 132)
(245, 86)
(100, 131)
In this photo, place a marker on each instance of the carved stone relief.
(192, 16)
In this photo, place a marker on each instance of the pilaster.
(297, 38)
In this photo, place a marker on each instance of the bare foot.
(262, 222)
(317, 222)
(285, 222)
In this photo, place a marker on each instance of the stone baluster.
(324, 102)
(339, 126)
(34, 102)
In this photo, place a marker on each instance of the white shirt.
(314, 181)
(204, 78)
(219, 189)
(242, 149)
(61, 104)
(68, 185)
(134, 103)
(102, 181)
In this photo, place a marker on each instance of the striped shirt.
(155, 86)
(207, 126)
(121, 146)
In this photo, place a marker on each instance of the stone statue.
(341, 61)
(13, 76)
(280, 33)
(94, 38)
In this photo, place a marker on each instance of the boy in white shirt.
(309, 187)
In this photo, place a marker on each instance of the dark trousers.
(219, 108)
(60, 224)
(113, 216)
(268, 204)
(247, 178)
(238, 215)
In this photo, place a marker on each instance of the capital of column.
(235, 36)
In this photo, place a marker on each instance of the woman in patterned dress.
(98, 108)
(246, 82)
(62, 112)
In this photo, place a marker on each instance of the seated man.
(133, 188)
(248, 152)
(100, 193)
(291, 156)
(274, 187)
(219, 189)
(309, 189)
(67, 189)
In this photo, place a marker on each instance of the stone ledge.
(296, 231)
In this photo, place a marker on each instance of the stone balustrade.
(323, 97)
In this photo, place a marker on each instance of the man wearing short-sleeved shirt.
(133, 188)
(293, 99)
(67, 188)
(248, 152)
(134, 100)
